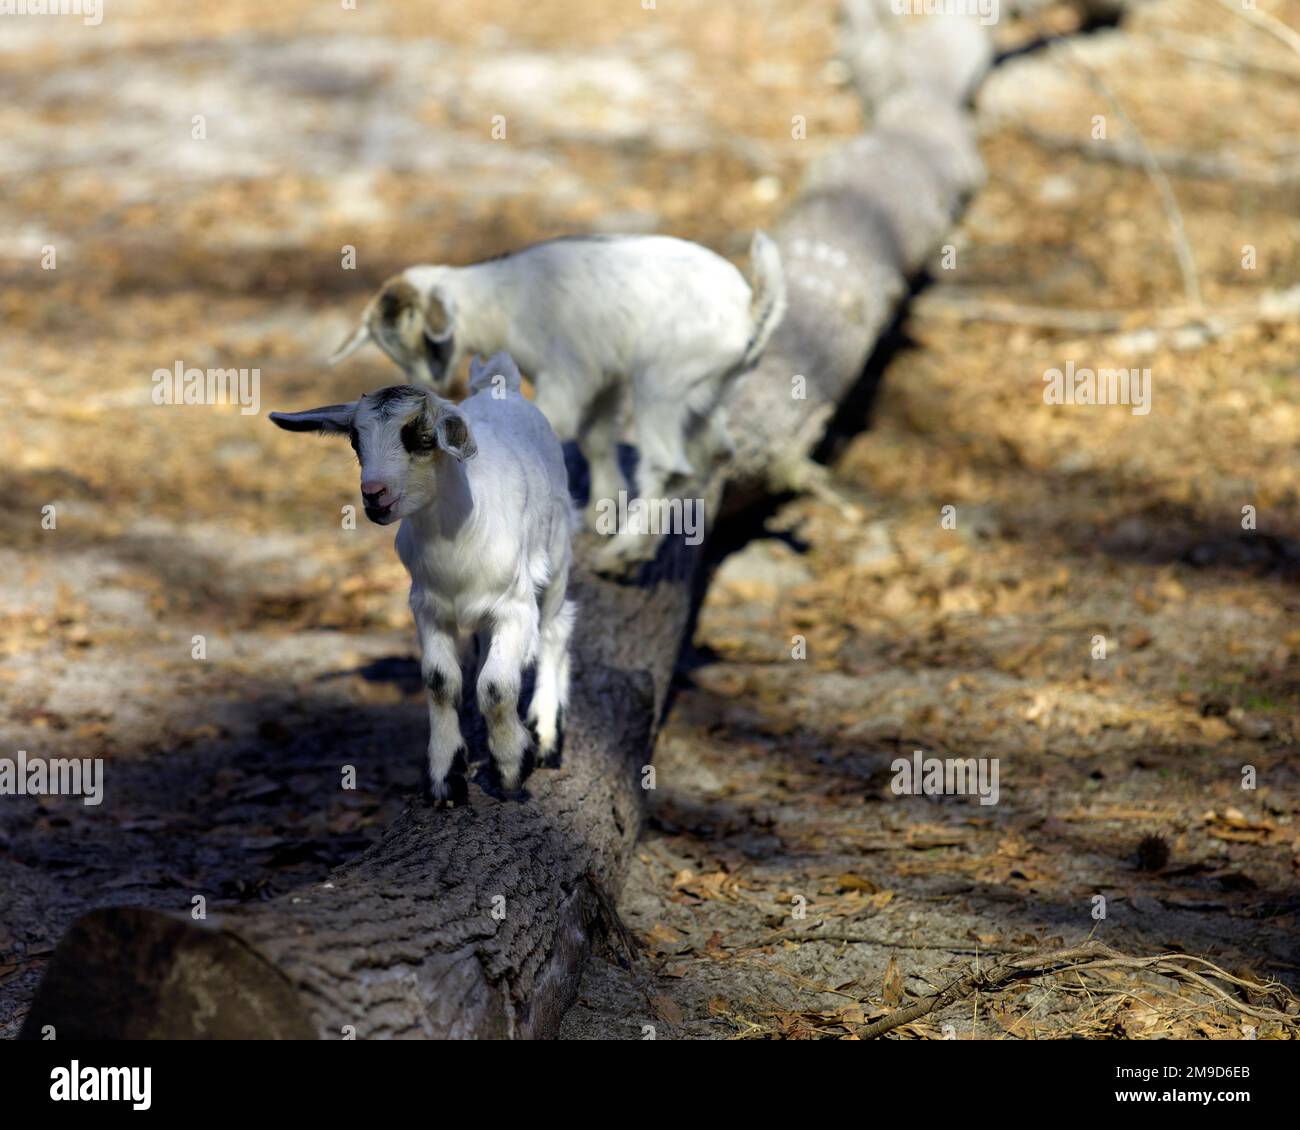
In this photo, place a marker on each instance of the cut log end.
(131, 974)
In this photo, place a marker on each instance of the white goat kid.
(486, 537)
(585, 317)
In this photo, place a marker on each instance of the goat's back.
(630, 301)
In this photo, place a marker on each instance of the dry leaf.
(892, 985)
(666, 1008)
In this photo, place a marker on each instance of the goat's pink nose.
(373, 489)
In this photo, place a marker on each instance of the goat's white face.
(400, 435)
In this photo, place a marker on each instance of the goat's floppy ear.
(359, 337)
(333, 419)
(439, 315)
(396, 320)
(454, 436)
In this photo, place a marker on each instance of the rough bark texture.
(403, 941)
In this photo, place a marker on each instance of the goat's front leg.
(440, 670)
(579, 409)
(513, 646)
(598, 442)
(663, 472)
(636, 543)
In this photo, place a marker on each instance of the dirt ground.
(781, 889)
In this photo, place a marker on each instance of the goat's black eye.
(354, 440)
(416, 438)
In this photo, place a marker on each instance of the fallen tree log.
(476, 922)
(868, 218)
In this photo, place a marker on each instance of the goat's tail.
(767, 307)
(498, 373)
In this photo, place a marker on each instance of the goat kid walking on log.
(590, 319)
(486, 536)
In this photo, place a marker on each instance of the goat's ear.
(359, 337)
(439, 315)
(333, 419)
(454, 435)
(396, 320)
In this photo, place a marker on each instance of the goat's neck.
(453, 501)
(482, 312)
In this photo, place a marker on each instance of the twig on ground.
(1206, 166)
(1230, 56)
(1264, 21)
(1088, 956)
(1273, 306)
(863, 939)
(1174, 215)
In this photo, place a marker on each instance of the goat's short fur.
(486, 536)
(585, 317)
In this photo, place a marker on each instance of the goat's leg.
(580, 410)
(513, 646)
(555, 397)
(551, 687)
(710, 445)
(599, 443)
(440, 669)
(664, 471)
(661, 429)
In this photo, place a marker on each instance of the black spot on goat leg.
(438, 684)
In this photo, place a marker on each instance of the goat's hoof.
(495, 785)
(620, 559)
(612, 570)
(453, 790)
(548, 758)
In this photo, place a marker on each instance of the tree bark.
(476, 922)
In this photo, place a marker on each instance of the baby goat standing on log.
(486, 536)
(584, 316)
